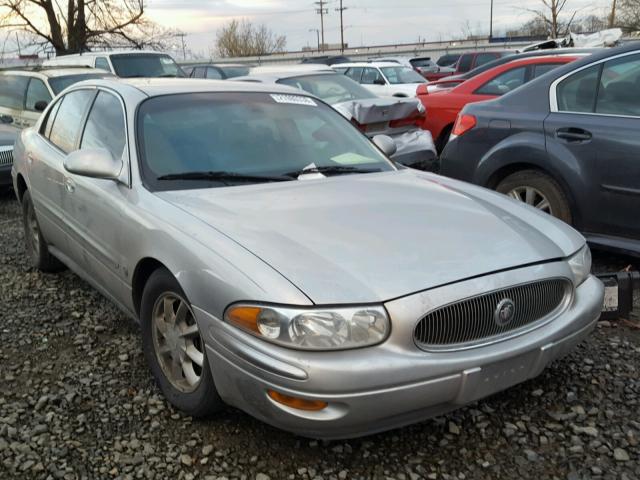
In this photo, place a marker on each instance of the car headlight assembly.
(312, 328)
(580, 264)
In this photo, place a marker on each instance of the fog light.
(297, 403)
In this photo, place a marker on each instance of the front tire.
(538, 190)
(174, 348)
(35, 244)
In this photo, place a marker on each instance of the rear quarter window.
(12, 91)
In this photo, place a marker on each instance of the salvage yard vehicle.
(385, 79)
(278, 262)
(398, 118)
(24, 94)
(444, 105)
(8, 136)
(566, 143)
(216, 71)
(468, 61)
(123, 63)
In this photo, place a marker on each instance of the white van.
(125, 64)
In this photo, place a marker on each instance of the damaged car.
(397, 118)
(280, 263)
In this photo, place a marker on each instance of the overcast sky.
(367, 22)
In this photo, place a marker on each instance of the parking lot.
(78, 401)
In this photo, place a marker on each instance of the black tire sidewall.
(205, 399)
(549, 187)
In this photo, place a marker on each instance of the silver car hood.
(375, 237)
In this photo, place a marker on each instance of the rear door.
(373, 80)
(12, 92)
(37, 96)
(595, 118)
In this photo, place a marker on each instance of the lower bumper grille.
(492, 316)
(6, 156)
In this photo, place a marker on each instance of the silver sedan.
(278, 262)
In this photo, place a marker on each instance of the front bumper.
(415, 149)
(395, 383)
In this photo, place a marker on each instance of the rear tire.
(174, 348)
(538, 190)
(36, 246)
(443, 138)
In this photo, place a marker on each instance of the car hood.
(8, 135)
(375, 237)
(375, 110)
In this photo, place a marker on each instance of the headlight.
(580, 264)
(312, 328)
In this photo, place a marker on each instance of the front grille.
(475, 321)
(6, 156)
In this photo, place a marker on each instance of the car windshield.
(58, 84)
(398, 75)
(253, 137)
(232, 72)
(332, 88)
(145, 65)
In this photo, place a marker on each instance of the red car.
(443, 106)
(466, 62)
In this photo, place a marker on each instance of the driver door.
(373, 80)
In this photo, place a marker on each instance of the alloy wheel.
(33, 231)
(177, 342)
(532, 196)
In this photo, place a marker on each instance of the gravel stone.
(78, 402)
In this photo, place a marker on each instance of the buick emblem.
(504, 313)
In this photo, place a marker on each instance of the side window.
(371, 75)
(66, 126)
(198, 72)
(12, 90)
(619, 87)
(213, 73)
(105, 125)
(483, 58)
(36, 92)
(543, 68)
(45, 128)
(103, 63)
(354, 73)
(577, 93)
(464, 64)
(504, 83)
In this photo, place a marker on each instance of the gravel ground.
(77, 401)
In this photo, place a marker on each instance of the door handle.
(70, 185)
(572, 134)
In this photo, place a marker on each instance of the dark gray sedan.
(567, 143)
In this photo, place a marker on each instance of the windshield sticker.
(351, 159)
(294, 99)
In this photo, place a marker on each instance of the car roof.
(218, 65)
(275, 76)
(111, 52)
(369, 64)
(290, 69)
(153, 87)
(57, 71)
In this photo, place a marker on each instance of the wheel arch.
(144, 269)
(21, 185)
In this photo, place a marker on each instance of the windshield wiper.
(222, 176)
(332, 169)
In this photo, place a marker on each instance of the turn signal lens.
(245, 317)
(422, 89)
(464, 123)
(297, 403)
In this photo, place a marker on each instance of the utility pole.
(491, 22)
(318, 35)
(612, 17)
(341, 10)
(184, 47)
(322, 11)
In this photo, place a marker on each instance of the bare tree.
(551, 13)
(244, 39)
(74, 26)
(628, 15)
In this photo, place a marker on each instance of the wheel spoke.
(190, 374)
(167, 311)
(515, 194)
(190, 331)
(195, 355)
(543, 204)
(181, 313)
(530, 196)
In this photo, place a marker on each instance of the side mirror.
(40, 105)
(379, 81)
(93, 162)
(386, 144)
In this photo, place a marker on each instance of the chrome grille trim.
(469, 323)
(6, 156)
